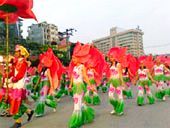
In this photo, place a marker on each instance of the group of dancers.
(88, 73)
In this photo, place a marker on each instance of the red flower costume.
(95, 67)
(16, 8)
(114, 75)
(145, 65)
(50, 61)
(81, 114)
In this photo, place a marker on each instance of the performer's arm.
(86, 79)
(130, 73)
(135, 78)
(150, 77)
(21, 72)
(166, 69)
(120, 73)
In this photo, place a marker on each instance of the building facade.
(132, 39)
(43, 33)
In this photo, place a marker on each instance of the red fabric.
(21, 67)
(147, 61)
(49, 60)
(167, 60)
(133, 65)
(12, 18)
(15, 100)
(162, 59)
(118, 53)
(125, 61)
(2, 2)
(82, 52)
(107, 70)
(23, 10)
(97, 62)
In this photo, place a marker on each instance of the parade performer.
(103, 85)
(95, 66)
(115, 79)
(128, 91)
(144, 81)
(18, 96)
(5, 93)
(50, 70)
(129, 71)
(158, 73)
(82, 114)
(64, 84)
(167, 75)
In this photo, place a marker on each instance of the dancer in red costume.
(18, 96)
(144, 78)
(82, 114)
(115, 79)
(159, 76)
(50, 70)
(128, 67)
(95, 67)
(167, 74)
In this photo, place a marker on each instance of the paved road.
(147, 116)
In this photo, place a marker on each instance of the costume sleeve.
(21, 71)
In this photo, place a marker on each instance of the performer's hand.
(93, 88)
(155, 82)
(14, 80)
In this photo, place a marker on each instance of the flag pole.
(7, 54)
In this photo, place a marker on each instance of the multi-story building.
(43, 33)
(132, 39)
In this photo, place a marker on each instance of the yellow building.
(132, 39)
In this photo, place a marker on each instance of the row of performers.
(88, 71)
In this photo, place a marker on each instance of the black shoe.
(30, 115)
(16, 125)
(8, 115)
(3, 113)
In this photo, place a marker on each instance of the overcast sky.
(93, 18)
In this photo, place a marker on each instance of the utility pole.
(66, 35)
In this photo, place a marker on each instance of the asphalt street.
(147, 116)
